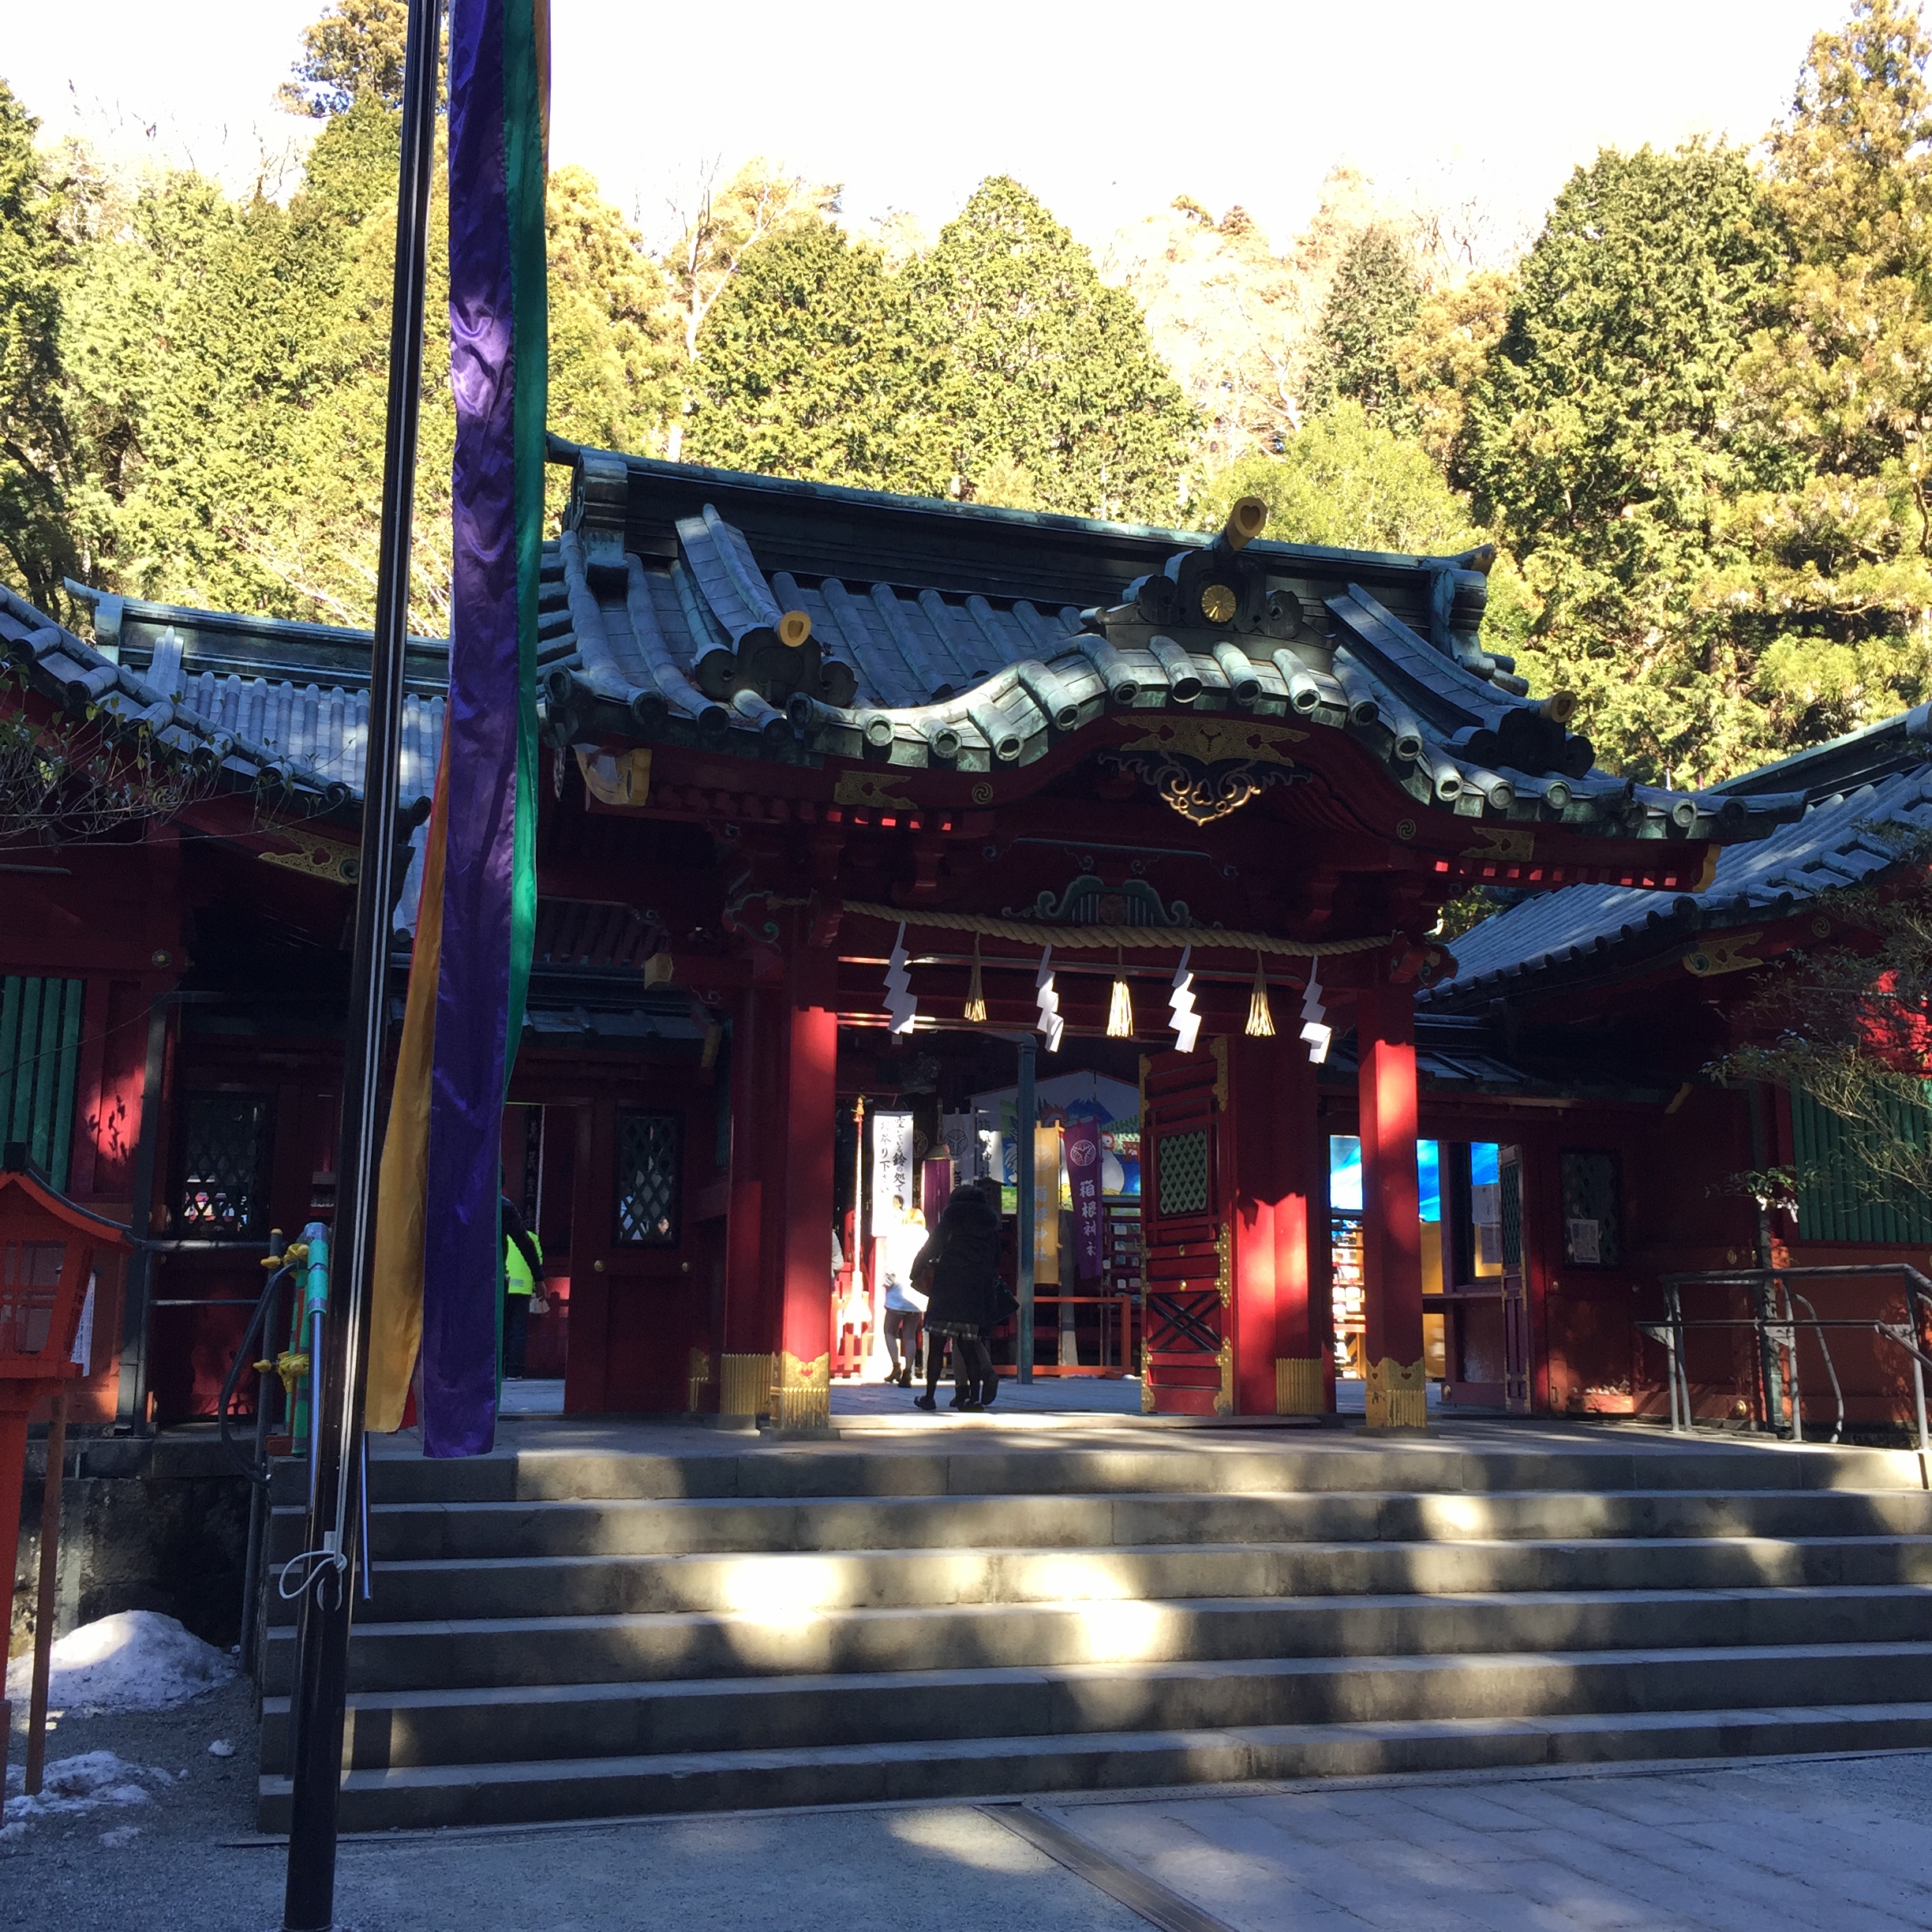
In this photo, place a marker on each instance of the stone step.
(501, 1792)
(569, 1586)
(787, 1641)
(576, 1527)
(1636, 1459)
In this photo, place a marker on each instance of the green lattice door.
(1187, 1360)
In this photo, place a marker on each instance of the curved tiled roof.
(307, 741)
(1844, 838)
(775, 620)
(968, 639)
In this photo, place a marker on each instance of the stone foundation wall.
(155, 1525)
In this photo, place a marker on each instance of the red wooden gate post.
(753, 1234)
(802, 1387)
(1304, 1327)
(1392, 1358)
(1254, 1180)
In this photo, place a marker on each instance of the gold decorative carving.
(617, 777)
(1298, 1389)
(1224, 1395)
(982, 793)
(1501, 842)
(1218, 1046)
(746, 1387)
(319, 856)
(1397, 1394)
(1207, 767)
(802, 1397)
(1213, 739)
(856, 788)
(1224, 1264)
(1729, 955)
(1146, 1380)
(699, 1377)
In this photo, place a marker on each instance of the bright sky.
(1107, 110)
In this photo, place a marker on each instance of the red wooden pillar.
(1392, 1359)
(801, 1384)
(1304, 1326)
(1253, 1186)
(749, 1345)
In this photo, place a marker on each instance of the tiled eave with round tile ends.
(236, 694)
(954, 638)
(1864, 808)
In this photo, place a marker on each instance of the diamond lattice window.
(1183, 1158)
(227, 1142)
(650, 1165)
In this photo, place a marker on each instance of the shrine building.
(852, 804)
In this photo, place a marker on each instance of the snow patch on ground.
(93, 1781)
(136, 1659)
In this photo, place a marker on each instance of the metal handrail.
(1776, 1332)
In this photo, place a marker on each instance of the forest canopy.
(1692, 413)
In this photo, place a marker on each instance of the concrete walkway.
(1837, 1846)
(1769, 1846)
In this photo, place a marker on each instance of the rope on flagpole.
(1092, 938)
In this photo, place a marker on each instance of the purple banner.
(463, 1244)
(1083, 1159)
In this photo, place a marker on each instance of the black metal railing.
(1775, 1322)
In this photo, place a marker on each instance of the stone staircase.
(570, 1633)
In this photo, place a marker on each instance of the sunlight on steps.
(781, 1593)
(599, 1629)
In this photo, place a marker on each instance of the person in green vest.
(522, 1293)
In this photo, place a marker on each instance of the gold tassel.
(1261, 1017)
(976, 994)
(1120, 1009)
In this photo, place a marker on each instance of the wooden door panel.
(1187, 1361)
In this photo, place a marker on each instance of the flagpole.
(327, 1569)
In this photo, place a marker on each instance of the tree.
(1224, 315)
(1443, 357)
(616, 369)
(1058, 387)
(717, 230)
(807, 366)
(1600, 444)
(36, 504)
(1837, 389)
(353, 52)
(1346, 481)
(1372, 306)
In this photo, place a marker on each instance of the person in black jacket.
(963, 1256)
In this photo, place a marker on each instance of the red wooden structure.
(1007, 741)
(50, 1251)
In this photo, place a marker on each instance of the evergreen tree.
(1838, 389)
(1600, 444)
(37, 506)
(1057, 391)
(1373, 305)
(1345, 480)
(1443, 357)
(808, 367)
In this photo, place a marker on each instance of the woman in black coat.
(963, 1256)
